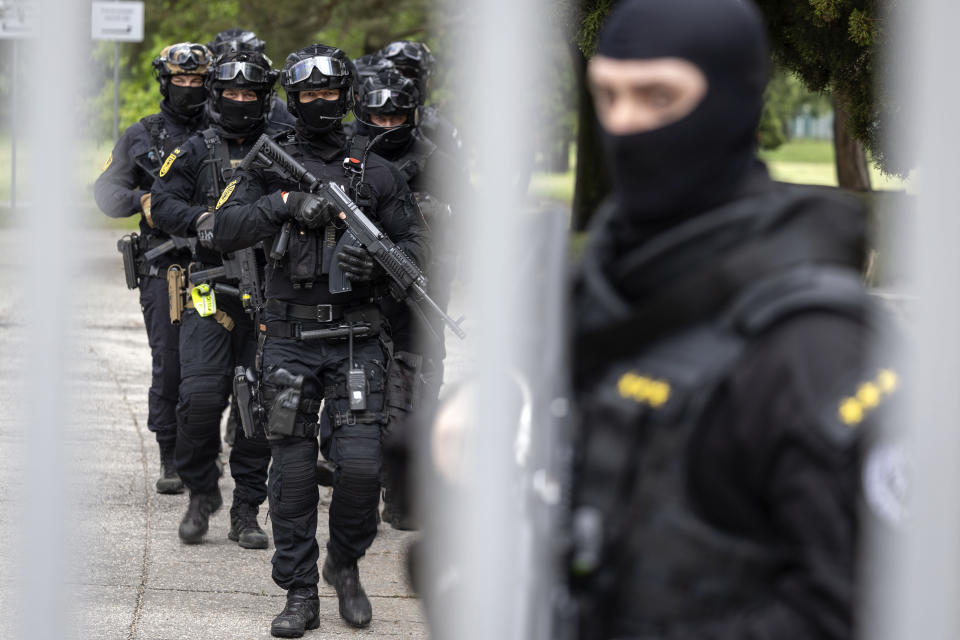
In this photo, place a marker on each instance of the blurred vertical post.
(116, 91)
(923, 580)
(56, 63)
(14, 123)
(499, 56)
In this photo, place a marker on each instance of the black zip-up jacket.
(760, 466)
(134, 162)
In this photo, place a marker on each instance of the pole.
(13, 130)
(116, 92)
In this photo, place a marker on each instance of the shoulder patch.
(868, 395)
(169, 161)
(886, 482)
(643, 390)
(227, 192)
(106, 165)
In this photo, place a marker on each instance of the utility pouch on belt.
(403, 384)
(176, 281)
(204, 300)
(245, 393)
(283, 411)
(128, 247)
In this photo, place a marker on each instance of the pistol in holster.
(176, 283)
(246, 391)
(130, 250)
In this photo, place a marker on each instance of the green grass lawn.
(797, 161)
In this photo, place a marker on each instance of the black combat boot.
(244, 529)
(169, 481)
(345, 578)
(196, 520)
(301, 612)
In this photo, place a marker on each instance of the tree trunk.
(851, 160)
(592, 183)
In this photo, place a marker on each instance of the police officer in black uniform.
(237, 39)
(123, 189)
(297, 373)
(387, 114)
(415, 61)
(721, 359)
(240, 88)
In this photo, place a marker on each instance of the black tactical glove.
(312, 212)
(357, 264)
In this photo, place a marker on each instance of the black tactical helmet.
(236, 39)
(412, 59)
(370, 65)
(241, 70)
(319, 67)
(183, 58)
(387, 92)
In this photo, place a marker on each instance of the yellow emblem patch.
(644, 390)
(107, 164)
(169, 162)
(853, 409)
(227, 193)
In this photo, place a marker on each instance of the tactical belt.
(308, 312)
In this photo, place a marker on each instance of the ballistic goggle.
(252, 72)
(411, 50)
(324, 64)
(188, 56)
(378, 98)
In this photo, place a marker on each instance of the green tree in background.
(786, 99)
(358, 27)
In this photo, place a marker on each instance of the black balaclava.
(187, 100)
(320, 115)
(240, 116)
(664, 176)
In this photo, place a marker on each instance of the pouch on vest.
(303, 258)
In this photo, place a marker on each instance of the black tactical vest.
(642, 555)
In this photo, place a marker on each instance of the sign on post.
(16, 19)
(117, 21)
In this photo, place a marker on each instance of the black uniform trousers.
(354, 447)
(208, 355)
(164, 340)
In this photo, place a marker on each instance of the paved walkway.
(133, 579)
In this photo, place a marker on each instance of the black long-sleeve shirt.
(132, 166)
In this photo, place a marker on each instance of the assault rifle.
(136, 261)
(361, 232)
(175, 243)
(242, 269)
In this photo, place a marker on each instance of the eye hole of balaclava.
(699, 157)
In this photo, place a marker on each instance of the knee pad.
(203, 399)
(297, 493)
(358, 478)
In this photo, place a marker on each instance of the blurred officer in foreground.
(214, 340)
(721, 361)
(350, 372)
(123, 189)
(235, 40)
(387, 115)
